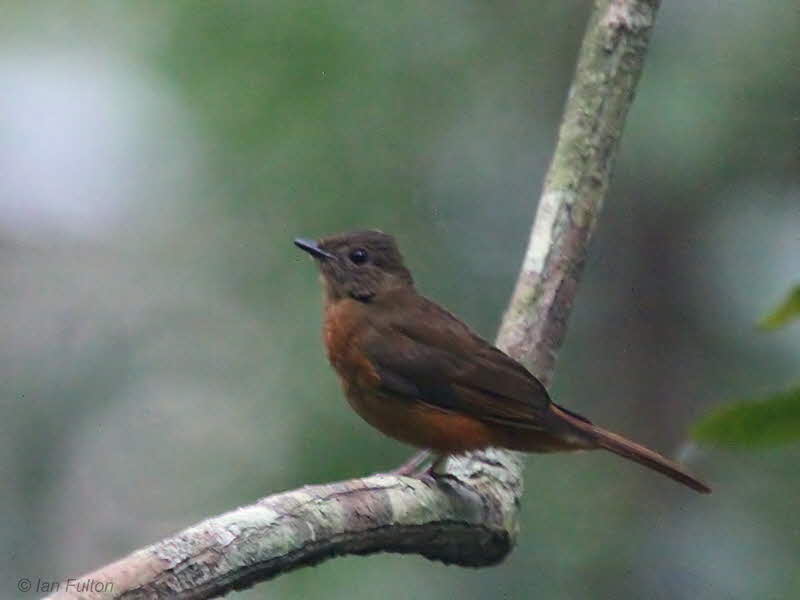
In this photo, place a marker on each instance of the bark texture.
(468, 515)
(609, 66)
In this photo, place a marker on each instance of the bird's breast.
(345, 324)
(403, 418)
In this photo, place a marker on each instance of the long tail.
(630, 450)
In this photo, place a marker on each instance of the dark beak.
(312, 248)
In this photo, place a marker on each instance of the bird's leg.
(411, 468)
(438, 467)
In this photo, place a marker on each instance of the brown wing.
(427, 353)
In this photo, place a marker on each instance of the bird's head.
(362, 265)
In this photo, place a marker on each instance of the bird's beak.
(312, 248)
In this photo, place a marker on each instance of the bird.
(418, 374)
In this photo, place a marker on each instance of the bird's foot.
(414, 466)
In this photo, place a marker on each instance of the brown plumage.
(421, 376)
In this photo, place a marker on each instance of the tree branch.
(468, 516)
(608, 70)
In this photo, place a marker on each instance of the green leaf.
(766, 422)
(787, 311)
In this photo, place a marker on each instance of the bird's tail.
(628, 449)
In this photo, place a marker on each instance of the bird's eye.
(359, 256)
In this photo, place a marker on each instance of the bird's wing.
(428, 354)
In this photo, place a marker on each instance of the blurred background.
(161, 356)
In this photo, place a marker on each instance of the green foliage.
(768, 421)
(787, 311)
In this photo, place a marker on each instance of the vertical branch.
(602, 91)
